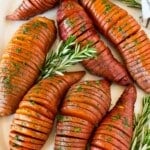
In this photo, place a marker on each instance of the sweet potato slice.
(73, 144)
(118, 120)
(80, 112)
(64, 12)
(29, 132)
(57, 147)
(32, 113)
(88, 100)
(24, 138)
(111, 140)
(27, 69)
(75, 126)
(32, 105)
(104, 145)
(63, 118)
(124, 33)
(30, 8)
(35, 116)
(65, 132)
(114, 132)
(26, 145)
(32, 126)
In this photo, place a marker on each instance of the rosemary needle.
(66, 54)
(131, 3)
(141, 135)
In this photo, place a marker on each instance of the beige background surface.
(7, 28)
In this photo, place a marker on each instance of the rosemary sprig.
(131, 3)
(141, 136)
(67, 54)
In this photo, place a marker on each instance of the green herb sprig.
(141, 136)
(67, 54)
(131, 3)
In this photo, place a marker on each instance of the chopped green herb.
(120, 29)
(35, 25)
(60, 118)
(18, 50)
(69, 22)
(32, 102)
(104, 1)
(17, 67)
(97, 82)
(7, 82)
(88, 83)
(125, 122)
(25, 30)
(136, 42)
(43, 24)
(17, 138)
(77, 129)
(109, 127)
(38, 24)
(79, 88)
(116, 117)
(108, 8)
(90, 43)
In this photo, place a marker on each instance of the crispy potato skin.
(33, 120)
(22, 59)
(73, 20)
(81, 111)
(126, 35)
(30, 8)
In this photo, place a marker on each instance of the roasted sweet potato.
(30, 8)
(33, 120)
(79, 115)
(22, 59)
(73, 20)
(124, 32)
(116, 129)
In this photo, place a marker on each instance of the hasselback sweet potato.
(80, 114)
(34, 118)
(116, 129)
(22, 59)
(30, 8)
(73, 20)
(124, 31)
